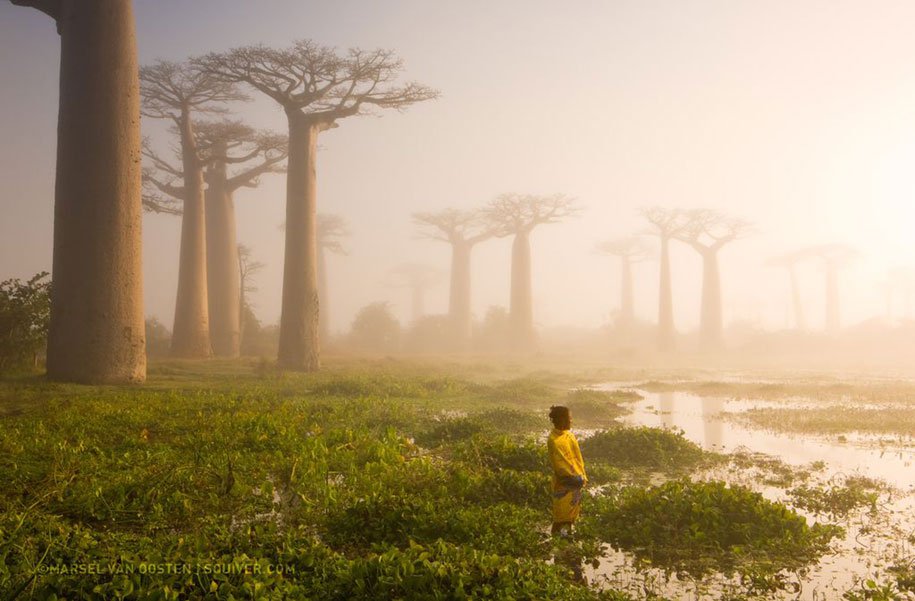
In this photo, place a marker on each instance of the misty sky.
(799, 116)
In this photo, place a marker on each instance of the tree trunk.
(710, 318)
(521, 314)
(97, 332)
(832, 299)
(223, 285)
(324, 314)
(627, 304)
(299, 339)
(799, 322)
(191, 332)
(665, 301)
(459, 294)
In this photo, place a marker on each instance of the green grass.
(372, 479)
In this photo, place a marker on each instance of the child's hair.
(559, 415)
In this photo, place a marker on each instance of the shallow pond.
(873, 543)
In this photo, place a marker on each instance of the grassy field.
(377, 479)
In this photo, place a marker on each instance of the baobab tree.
(707, 232)
(331, 230)
(248, 267)
(629, 250)
(418, 279)
(252, 154)
(665, 224)
(316, 87)
(789, 262)
(177, 91)
(517, 215)
(462, 230)
(834, 257)
(97, 330)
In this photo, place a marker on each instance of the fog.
(797, 118)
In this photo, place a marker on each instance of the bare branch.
(315, 81)
(633, 248)
(707, 230)
(454, 226)
(331, 228)
(516, 213)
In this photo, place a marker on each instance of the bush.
(697, 527)
(25, 312)
(651, 448)
(376, 329)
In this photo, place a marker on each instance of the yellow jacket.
(565, 457)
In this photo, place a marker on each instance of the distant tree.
(376, 329)
(96, 332)
(250, 324)
(834, 257)
(629, 250)
(417, 278)
(331, 231)
(789, 262)
(178, 91)
(316, 87)
(25, 312)
(158, 338)
(251, 154)
(518, 215)
(707, 232)
(429, 334)
(665, 224)
(494, 331)
(462, 230)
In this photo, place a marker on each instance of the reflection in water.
(702, 421)
(713, 426)
(666, 403)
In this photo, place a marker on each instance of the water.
(703, 421)
(872, 543)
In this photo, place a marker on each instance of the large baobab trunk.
(299, 344)
(627, 304)
(97, 331)
(832, 299)
(665, 301)
(799, 322)
(521, 308)
(191, 332)
(223, 285)
(710, 319)
(459, 294)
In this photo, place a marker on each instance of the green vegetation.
(369, 480)
(694, 528)
(894, 420)
(643, 447)
(25, 311)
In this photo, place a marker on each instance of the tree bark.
(710, 318)
(459, 294)
(97, 332)
(832, 299)
(521, 312)
(299, 347)
(223, 279)
(665, 301)
(191, 331)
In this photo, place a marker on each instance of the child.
(568, 471)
